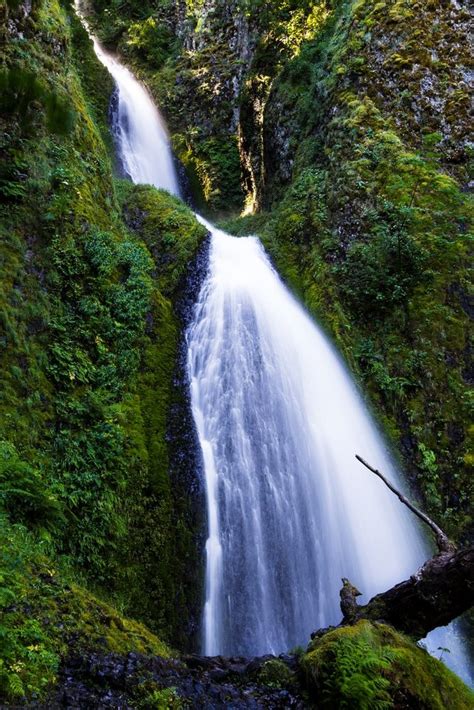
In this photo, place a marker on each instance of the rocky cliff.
(343, 127)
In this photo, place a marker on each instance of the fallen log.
(440, 591)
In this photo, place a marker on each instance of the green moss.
(96, 82)
(275, 674)
(167, 227)
(149, 41)
(89, 344)
(372, 666)
(45, 617)
(243, 226)
(160, 565)
(213, 165)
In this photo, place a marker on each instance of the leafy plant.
(24, 494)
(164, 699)
(28, 664)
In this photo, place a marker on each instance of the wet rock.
(116, 681)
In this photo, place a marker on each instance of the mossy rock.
(369, 666)
(167, 227)
(275, 674)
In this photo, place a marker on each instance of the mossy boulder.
(370, 665)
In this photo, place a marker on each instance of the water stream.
(290, 510)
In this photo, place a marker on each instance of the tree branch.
(440, 591)
(443, 542)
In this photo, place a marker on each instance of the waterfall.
(138, 128)
(290, 510)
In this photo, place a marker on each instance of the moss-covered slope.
(90, 347)
(46, 617)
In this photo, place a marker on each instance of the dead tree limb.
(443, 542)
(441, 590)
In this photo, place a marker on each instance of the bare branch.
(442, 540)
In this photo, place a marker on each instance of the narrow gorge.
(185, 454)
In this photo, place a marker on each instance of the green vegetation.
(89, 340)
(370, 666)
(293, 108)
(45, 616)
(166, 699)
(162, 566)
(367, 219)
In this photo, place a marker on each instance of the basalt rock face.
(186, 467)
(410, 59)
(218, 41)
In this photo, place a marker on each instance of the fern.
(15, 685)
(23, 494)
(356, 680)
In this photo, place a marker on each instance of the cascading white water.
(141, 133)
(290, 510)
(139, 129)
(279, 420)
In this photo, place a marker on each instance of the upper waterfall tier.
(139, 129)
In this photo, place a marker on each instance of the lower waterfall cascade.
(290, 511)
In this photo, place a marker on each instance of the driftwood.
(440, 591)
